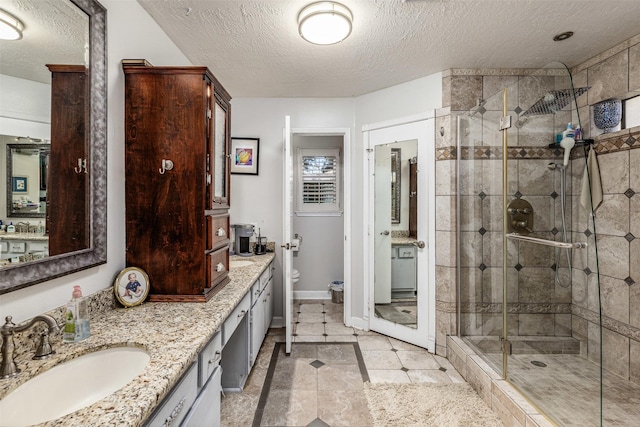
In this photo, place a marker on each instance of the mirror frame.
(23, 275)
(10, 213)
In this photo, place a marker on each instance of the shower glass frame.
(511, 309)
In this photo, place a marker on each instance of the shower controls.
(521, 217)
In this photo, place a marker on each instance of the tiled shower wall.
(614, 73)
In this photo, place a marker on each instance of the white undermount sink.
(72, 385)
(240, 263)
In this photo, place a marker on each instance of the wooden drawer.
(209, 359)
(176, 405)
(235, 318)
(218, 265)
(217, 231)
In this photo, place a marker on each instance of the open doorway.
(318, 220)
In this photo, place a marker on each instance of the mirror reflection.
(43, 108)
(395, 228)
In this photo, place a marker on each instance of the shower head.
(567, 143)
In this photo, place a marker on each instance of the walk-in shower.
(529, 300)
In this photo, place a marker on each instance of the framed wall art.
(19, 184)
(245, 155)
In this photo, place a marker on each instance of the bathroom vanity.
(191, 347)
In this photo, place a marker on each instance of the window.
(318, 181)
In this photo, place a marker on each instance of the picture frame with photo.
(131, 286)
(19, 184)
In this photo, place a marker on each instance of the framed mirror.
(25, 64)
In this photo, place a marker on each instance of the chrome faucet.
(8, 367)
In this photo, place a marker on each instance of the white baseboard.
(277, 322)
(311, 295)
(358, 323)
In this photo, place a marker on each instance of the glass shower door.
(529, 288)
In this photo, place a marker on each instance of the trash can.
(337, 291)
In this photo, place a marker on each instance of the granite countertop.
(398, 241)
(23, 236)
(172, 333)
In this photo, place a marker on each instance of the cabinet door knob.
(219, 267)
(221, 232)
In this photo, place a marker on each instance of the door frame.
(428, 155)
(345, 133)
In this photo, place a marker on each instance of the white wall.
(254, 199)
(131, 33)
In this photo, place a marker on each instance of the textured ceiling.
(254, 49)
(55, 32)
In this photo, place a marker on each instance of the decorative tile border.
(616, 326)
(603, 145)
(517, 308)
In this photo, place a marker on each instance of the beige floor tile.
(238, 409)
(388, 376)
(334, 318)
(337, 329)
(294, 374)
(428, 376)
(343, 408)
(339, 377)
(311, 317)
(309, 329)
(374, 342)
(337, 354)
(341, 338)
(401, 345)
(311, 308)
(309, 338)
(290, 408)
(381, 359)
(417, 359)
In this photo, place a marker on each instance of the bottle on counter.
(76, 326)
(11, 228)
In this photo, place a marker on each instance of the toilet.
(295, 276)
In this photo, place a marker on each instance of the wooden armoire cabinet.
(67, 217)
(177, 122)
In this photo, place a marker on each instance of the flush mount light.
(562, 36)
(10, 26)
(325, 22)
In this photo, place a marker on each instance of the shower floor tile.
(568, 389)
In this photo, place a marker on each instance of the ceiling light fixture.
(10, 26)
(325, 22)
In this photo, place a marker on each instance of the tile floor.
(567, 386)
(321, 321)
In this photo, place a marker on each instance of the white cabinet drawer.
(4, 247)
(38, 246)
(18, 247)
(206, 410)
(256, 290)
(176, 405)
(209, 359)
(235, 318)
(264, 278)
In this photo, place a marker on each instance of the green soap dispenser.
(76, 326)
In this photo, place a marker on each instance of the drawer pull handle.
(219, 267)
(221, 232)
(216, 358)
(168, 422)
(242, 313)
